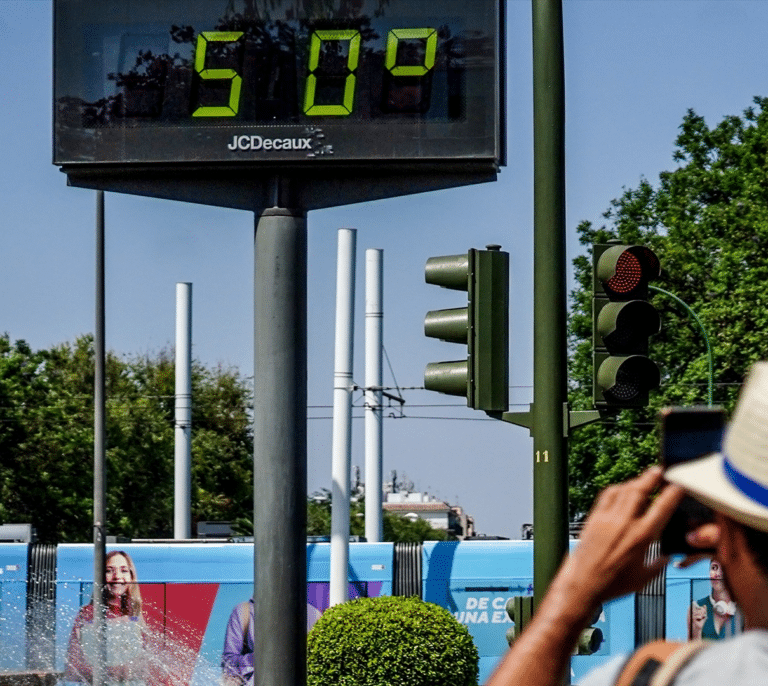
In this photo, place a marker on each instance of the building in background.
(401, 499)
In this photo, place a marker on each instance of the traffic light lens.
(627, 385)
(590, 641)
(629, 274)
(624, 379)
(625, 326)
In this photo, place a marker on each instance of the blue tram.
(189, 590)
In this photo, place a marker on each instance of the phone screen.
(688, 433)
(685, 445)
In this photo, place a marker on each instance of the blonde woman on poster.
(125, 629)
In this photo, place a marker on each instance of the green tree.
(42, 443)
(46, 442)
(707, 219)
(397, 529)
(403, 530)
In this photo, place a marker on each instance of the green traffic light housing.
(623, 321)
(591, 638)
(483, 326)
(520, 610)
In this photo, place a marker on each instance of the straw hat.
(735, 481)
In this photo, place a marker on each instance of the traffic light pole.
(549, 419)
(280, 448)
(550, 374)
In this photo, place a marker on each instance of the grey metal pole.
(280, 448)
(550, 373)
(374, 444)
(99, 458)
(342, 415)
(182, 482)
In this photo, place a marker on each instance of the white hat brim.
(706, 481)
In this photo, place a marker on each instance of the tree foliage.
(46, 442)
(396, 528)
(707, 219)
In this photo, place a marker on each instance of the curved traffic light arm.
(710, 382)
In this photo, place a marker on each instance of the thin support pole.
(374, 342)
(182, 482)
(280, 448)
(342, 416)
(99, 457)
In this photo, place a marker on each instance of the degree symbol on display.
(394, 38)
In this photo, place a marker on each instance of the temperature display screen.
(147, 81)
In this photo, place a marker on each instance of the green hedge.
(390, 641)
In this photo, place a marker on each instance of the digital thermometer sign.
(254, 82)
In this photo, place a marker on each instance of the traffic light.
(591, 638)
(520, 610)
(483, 326)
(622, 322)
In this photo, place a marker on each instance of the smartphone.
(688, 433)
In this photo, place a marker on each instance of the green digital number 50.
(311, 108)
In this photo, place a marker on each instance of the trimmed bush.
(390, 641)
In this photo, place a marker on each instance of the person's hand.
(698, 618)
(609, 560)
(706, 537)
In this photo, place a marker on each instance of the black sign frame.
(354, 154)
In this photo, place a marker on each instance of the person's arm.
(608, 562)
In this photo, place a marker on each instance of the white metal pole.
(342, 416)
(182, 515)
(374, 341)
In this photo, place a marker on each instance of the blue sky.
(633, 68)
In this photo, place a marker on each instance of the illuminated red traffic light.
(623, 320)
(625, 270)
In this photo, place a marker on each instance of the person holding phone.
(610, 562)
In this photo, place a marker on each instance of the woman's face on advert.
(118, 575)
(716, 576)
